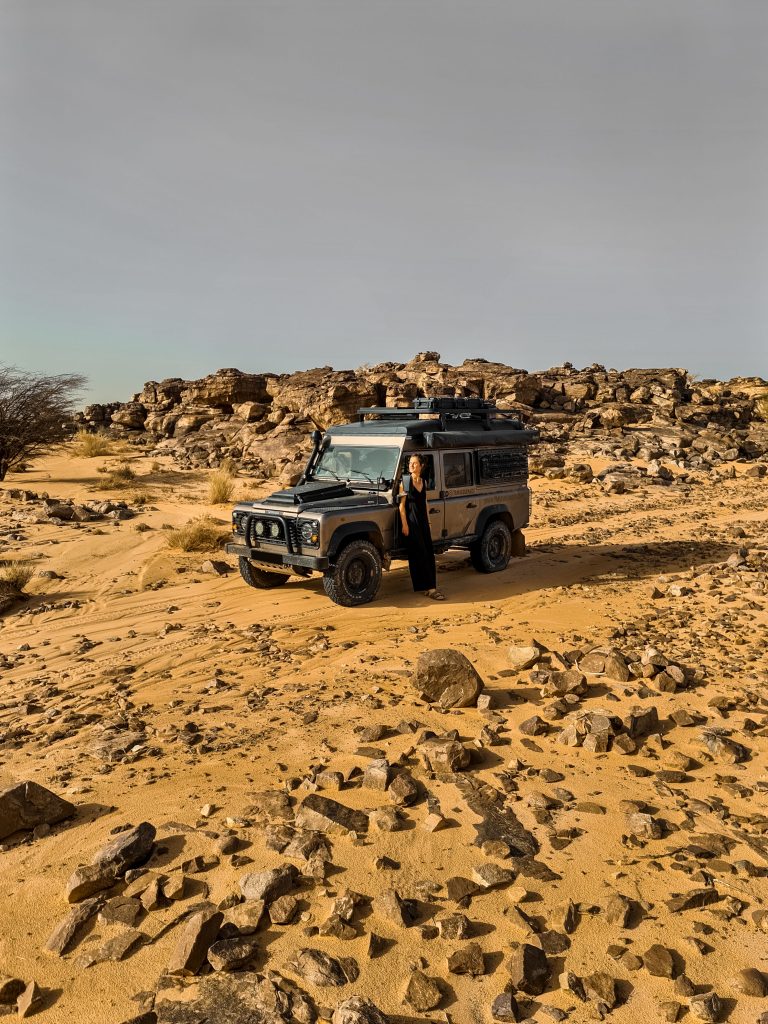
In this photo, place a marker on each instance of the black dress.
(421, 554)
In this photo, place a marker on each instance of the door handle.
(434, 511)
(471, 504)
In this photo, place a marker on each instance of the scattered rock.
(321, 814)
(422, 993)
(529, 969)
(448, 678)
(27, 805)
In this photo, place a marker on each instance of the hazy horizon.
(276, 186)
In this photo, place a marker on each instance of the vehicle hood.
(321, 496)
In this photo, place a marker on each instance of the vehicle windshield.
(365, 464)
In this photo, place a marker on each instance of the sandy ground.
(278, 682)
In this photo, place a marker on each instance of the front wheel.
(492, 552)
(356, 576)
(262, 579)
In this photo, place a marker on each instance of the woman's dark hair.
(422, 458)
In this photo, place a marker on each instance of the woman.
(414, 518)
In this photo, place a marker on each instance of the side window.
(457, 469)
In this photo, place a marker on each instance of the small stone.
(232, 954)
(29, 1001)
(521, 658)
(27, 804)
(504, 1008)
(268, 885)
(529, 969)
(197, 936)
(433, 823)
(492, 876)
(601, 986)
(751, 982)
(707, 1007)
(128, 849)
(377, 775)
(120, 910)
(644, 826)
(87, 881)
(658, 961)
(534, 726)
(618, 910)
(321, 814)
(467, 960)
(358, 1011)
(444, 755)
(422, 992)
(114, 949)
(448, 678)
(66, 931)
(670, 1010)
(283, 909)
(319, 968)
(403, 790)
(401, 912)
(454, 926)
(246, 917)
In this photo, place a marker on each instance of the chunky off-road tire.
(356, 576)
(492, 552)
(262, 579)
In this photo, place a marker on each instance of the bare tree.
(36, 413)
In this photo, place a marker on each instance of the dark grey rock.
(27, 805)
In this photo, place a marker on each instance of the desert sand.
(143, 689)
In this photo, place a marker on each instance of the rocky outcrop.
(262, 420)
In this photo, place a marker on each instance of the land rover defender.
(341, 518)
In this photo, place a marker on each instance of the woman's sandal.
(436, 595)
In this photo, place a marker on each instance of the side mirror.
(316, 437)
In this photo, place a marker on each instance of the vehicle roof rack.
(444, 407)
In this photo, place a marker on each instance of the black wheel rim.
(358, 575)
(497, 548)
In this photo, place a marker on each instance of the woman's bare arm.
(401, 502)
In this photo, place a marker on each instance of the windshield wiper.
(329, 472)
(363, 473)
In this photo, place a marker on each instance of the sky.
(194, 184)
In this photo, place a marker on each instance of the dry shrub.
(15, 575)
(220, 487)
(202, 534)
(88, 446)
(115, 477)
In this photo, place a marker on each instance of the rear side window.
(457, 469)
(502, 463)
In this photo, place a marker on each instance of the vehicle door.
(459, 495)
(435, 501)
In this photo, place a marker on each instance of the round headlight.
(308, 532)
(259, 527)
(274, 530)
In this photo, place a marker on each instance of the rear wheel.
(492, 552)
(356, 576)
(262, 579)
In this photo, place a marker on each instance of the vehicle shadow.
(556, 565)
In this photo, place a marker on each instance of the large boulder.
(27, 805)
(448, 678)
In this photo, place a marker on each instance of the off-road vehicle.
(342, 519)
